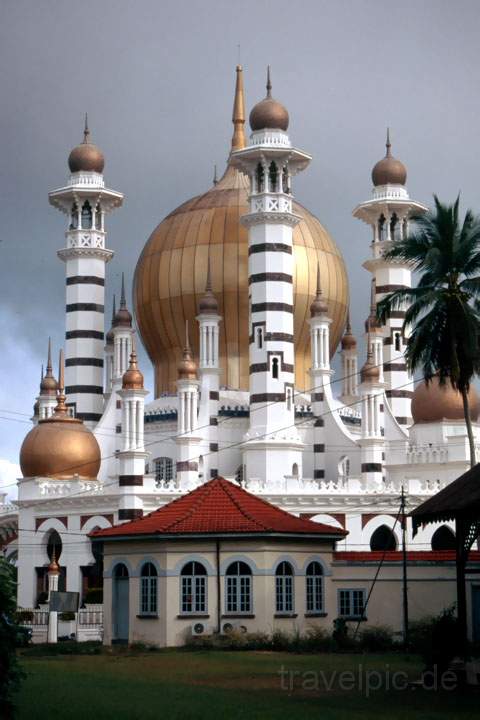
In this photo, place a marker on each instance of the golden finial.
(132, 378)
(48, 384)
(86, 131)
(61, 408)
(215, 178)
(388, 144)
(123, 301)
(238, 115)
(269, 83)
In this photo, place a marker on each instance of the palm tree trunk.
(468, 423)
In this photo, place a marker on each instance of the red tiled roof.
(396, 556)
(219, 507)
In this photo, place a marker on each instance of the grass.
(196, 685)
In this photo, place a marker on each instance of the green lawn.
(183, 685)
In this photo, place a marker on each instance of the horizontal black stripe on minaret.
(79, 361)
(92, 417)
(267, 397)
(401, 420)
(407, 394)
(272, 306)
(270, 277)
(394, 367)
(130, 480)
(269, 247)
(85, 280)
(84, 389)
(265, 367)
(371, 467)
(380, 289)
(275, 337)
(84, 334)
(87, 307)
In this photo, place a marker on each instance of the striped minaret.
(374, 332)
(273, 449)
(320, 373)
(85, 201)
(131, 458)
(209, 371)
(388, 213)
(372, 442)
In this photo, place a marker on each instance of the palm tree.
(444, 309)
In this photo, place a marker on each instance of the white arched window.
(284, 588)
(238, 588)
(148, 589)
(193, 588)
(163, 470)
(314, 587)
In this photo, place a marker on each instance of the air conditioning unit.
(199, 628)
(228, 627)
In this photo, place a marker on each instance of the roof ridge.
(202, 492)
(227, 491)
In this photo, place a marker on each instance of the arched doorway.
(383, 539)
(120, 604)
(443, 539)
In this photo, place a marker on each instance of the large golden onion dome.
(171, 271)
(60, 446)
(435, 402)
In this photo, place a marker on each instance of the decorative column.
(273, 448)
(349, 395)
(320, 373)
(388, 213)
(187, 439)
(372, 442)
(85, 201)
(209, 371)
(131, 459)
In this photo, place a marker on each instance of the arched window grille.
(193, 588)
(383, 539)
(381, 228)
(54, 545)
(74, 217)
(148, 589)
(443, 539)
(295, 470)
(273, 177)
(394, 226)
(121, 571)
(86, 216)
(238, 588)
(397, 342)
(259, 338)
(260, 176)
(275, 368)
(98, 217)
(285, 186)
(163, 470)
(314, 587)
(284, 588)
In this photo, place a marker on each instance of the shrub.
(437, 639)
(281, 641)
(342, 637)
(376, 638)
(10, 673)
(317, 639)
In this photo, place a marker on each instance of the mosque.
(240, 297)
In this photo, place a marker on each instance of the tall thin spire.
(319, 305)
(319, 289)
(238, 115)
(61, 408)
(49, 358)
(388, 144)
(208, 284)
(41, 375)
(123, 302)
(86, 131)
(187, 339)
(215, 178)
(348, 327)
(269, 83)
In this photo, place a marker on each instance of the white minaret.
(388, 213)
(187, 439)
(273, 448)
(85, 201)
(349, 394)
(372, 442)
(47, 399)
(320, 373)
(374, 333)
(109, 350)
(209, 371)
(122, 338)
(131, 459)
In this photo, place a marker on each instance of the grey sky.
(157, 79)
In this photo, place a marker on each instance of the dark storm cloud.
(157, 80)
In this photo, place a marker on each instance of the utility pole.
(404, 558)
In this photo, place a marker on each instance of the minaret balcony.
(85, 239)
(271, 202)
(89, 179)
(390, 192)
(270, 138)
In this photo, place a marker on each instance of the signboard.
(64, 601)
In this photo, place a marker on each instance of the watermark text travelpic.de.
(362, 680)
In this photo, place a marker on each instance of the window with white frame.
(238, 588)
(284, 588)
(163, 470)
(314, 587)
(193, 588)
(351, 603)
(148, 589)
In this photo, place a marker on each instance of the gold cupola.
(86, 157)
(60, 447)
(170, 276)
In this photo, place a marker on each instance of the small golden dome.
(370, 372)
(48, 384)
(86, 157)
(435, 402)
(349, 341)
(122, 318)
(187, 367)
(269, 113)
(54, 567)
(60, 446)
(389, 170)
(132, 378)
